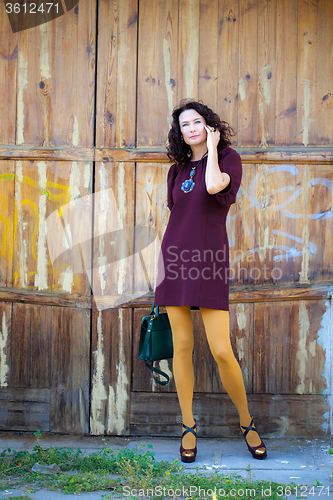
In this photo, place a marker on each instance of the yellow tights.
(216, 324)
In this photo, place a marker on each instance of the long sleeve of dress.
(231, 164)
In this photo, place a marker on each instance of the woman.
(202, 184)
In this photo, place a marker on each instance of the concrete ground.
(305, 462)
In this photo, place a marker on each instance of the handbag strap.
(156, 370)
(152, 310)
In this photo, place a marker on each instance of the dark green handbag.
(156, 341)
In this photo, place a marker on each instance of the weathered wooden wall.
(85, 102)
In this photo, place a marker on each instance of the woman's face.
(192, 127)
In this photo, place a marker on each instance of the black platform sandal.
(259, 451)
(188, 456)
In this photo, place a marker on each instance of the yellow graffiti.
(10, 228)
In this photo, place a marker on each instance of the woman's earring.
(181, 138)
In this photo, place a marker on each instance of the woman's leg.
(182, 334)
(217, 330)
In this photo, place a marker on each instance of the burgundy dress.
(195, 249)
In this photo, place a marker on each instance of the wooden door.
(87, 106)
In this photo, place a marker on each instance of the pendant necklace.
(189, 184)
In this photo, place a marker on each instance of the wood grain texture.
(7, 209)
(71, 196)
(275, 415)
(188, 49)
(8, 67)
(113, 218)
(70, 370)
(30, 361)
(157, 70)
(267, 71)
(63, 108)
(306, 72)
(5, 343)
(286, 68)
(208, 65)
(116, 73)
(247, 74)
(292, 362)
(24, 409)
(111, 371)
(324, 92)
(228, 63)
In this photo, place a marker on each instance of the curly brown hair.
(179, 151)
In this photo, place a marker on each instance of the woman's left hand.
(213, 137)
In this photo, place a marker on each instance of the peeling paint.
(164, 366)
(22, 243)
(192, 50)
(66, 280)
(74, 181)
(241, 88)
(240, 346)
(98, 392)
(325, 339)
(167, 72)
(119, 396)
(302, 352)
(304, 273)
(22, 84)
(4, 368)
(86, 175)
(241, 316)
(75, 132)
(44, 55)
(41, 276)
(306, 106)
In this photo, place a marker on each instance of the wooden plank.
(320, 217)
(116, 74)
(69, 191)
(157, 70)
(156, 154)
(151, 212)
(25, 394)
(244, 293)
(45, 298)
(5, 344)
(113, 211)
(208, 50)
(285, 102)
(297, 349)
(275, 415)
(70, 354)
(23, 420)
(267, 15)
(30, 346)
(228, 59)
(324, 96)
(46, 153)
(6, 222)
(30, 263)
(8, 67)
(306, 73)
(188, 49)
(111, 371)
(247, 77)
(73, 95)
